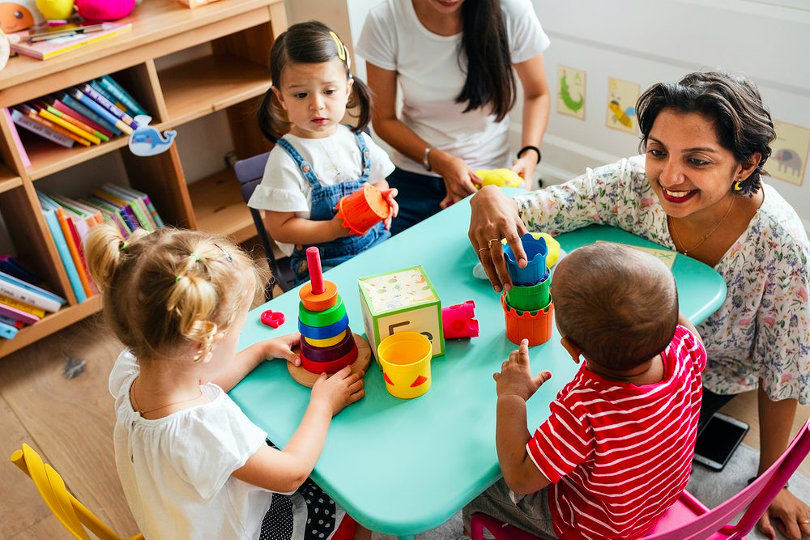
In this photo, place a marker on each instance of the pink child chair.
(688, 518)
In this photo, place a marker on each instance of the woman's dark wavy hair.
(484, 41)
(306, 43)
(743, 124)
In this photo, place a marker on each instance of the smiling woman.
(699, 190)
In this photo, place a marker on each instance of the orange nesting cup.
(363, 209)
(532, 325)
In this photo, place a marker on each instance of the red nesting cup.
(363, 209)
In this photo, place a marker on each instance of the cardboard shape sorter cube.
(398, 301)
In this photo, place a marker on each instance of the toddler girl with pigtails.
(316, 160)
(191, 463)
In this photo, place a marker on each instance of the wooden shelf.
(48, 157)
(219, 206)
(8, 180)
(50, 324)
(208, 84)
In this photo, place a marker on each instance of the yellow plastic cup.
(405, 360)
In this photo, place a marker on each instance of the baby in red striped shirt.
(616, 450)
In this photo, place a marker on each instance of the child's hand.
(338, 390)
(281, 347)
(337, 228)
(515, 377)
(389, 195)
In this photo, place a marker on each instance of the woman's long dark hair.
(307, 43)
(484, 41)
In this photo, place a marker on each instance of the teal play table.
(401, 467)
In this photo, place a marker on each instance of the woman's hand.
(495, 216)
(459, 178)
(525, 167)
(281, 347)
(338, 390)
(791, 517)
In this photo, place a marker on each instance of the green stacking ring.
(529, 298)
(319, 319)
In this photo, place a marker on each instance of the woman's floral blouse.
(762, 330)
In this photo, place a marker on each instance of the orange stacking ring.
(334, 365)
(318, 302)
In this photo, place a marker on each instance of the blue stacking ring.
(324, 332)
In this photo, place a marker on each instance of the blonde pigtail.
(103, 252)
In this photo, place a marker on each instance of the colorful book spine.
(12, 322)
(22, 306)
(89, 113)
(34, 289)
(13, 267)
(64, 109)
(108, 105)
(12, 290)
(47, 115)
(64, 253)
(110, 215)
(16, 137)
(69, 231)
(7, 331)
(111, 98)
(149, 206)
(17, 314)
(123, 208)
(32, 113)
(140, 212)
(77, 123)
(122, 95)
(84, 99)
(40, 129)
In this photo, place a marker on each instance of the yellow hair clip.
(341, 50)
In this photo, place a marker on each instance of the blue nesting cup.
(536, 269)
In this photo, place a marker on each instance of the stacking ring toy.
(326, 342)
(329, 354)
(318, 301)
(324, 332)
(322, 318)
(329, 367)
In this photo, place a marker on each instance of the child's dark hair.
(485, 43)
(618, 304)
(308, 43)
(742, 122)
(170, 289)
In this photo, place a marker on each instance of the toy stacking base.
(307, 378)
(523, 325)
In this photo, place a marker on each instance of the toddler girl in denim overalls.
(317, 160)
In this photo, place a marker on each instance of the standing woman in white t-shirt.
(455, 63)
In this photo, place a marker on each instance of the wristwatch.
(425, 158)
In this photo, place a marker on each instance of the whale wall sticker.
(148, 141)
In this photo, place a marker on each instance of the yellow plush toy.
(499, 177)
(54, 10)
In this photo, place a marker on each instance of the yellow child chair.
(73, 514)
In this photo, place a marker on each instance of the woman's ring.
(489, 245)
(805, 521)
(482, 249)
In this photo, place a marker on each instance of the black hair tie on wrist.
(530, 147)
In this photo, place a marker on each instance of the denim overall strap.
(323, 200)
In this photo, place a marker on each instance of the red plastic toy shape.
(458, 321)
(271, 318)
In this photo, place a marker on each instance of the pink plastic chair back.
(688, 519)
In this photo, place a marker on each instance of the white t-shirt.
(176, 470)
(430, 78)
(334, 159)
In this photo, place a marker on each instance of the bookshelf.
(231, 75)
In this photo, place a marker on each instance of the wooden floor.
(70, 421)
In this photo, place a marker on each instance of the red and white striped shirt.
(618, 455)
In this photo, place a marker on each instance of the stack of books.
(22, 301)
(89, 114)
(78, 36)
(70, 220)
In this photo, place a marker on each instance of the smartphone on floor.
(718, 439)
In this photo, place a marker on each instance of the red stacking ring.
(330, 367)
(330, 353)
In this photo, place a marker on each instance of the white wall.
(645, 42)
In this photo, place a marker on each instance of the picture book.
(44, 50)
(22, 306)
(75, 122)
(79, 226)
(29, 294)
(91, 104)
(110, 214)
(38, 127)
(145, 198)
(107, 105)
(32, 113)
(12, 322)
(17, 314)
(138, 207)
(115, 89)
(122, 207)
(99, 130)
(16, 138)
(49, 211)
(13, 267)
(7, 331)
(89, 113)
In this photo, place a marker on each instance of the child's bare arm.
(285, 470)
(287, 228)
(683, 321)
(515, 385)
(247, 359)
